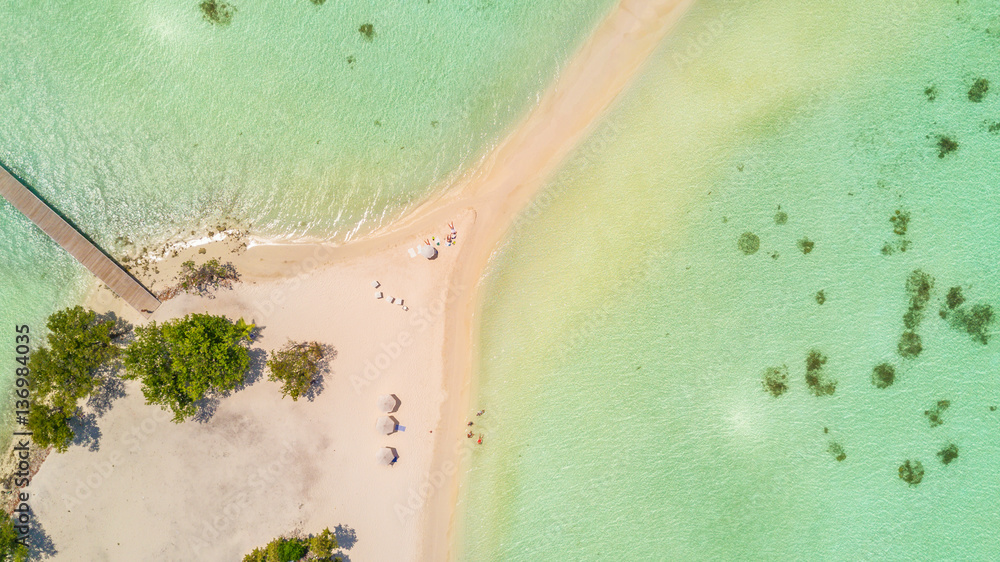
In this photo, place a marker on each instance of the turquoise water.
(625, 335)
(143, 123)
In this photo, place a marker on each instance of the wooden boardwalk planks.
(112, 274)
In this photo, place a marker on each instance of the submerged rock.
(934, 415)
(748, 243)
(216, 12)
(909, 345)
(954, 298)
(911, 472)
(900, 222)
(948, 454)
(806, 245)
(367, 30)
(776, 380)
(919, 286)
(974, 320)
(837, 450)
(817, 380)
(820, 298)
(978, 90)
(883, 375)
(946, 146)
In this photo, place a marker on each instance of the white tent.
(385, 456)
(385, 425)
(386, 403)
(428, 252)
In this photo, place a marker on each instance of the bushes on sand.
(69, 367)
(180, 361)
(291, 549)
(11, 550)
(296, 366)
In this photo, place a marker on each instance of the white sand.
(263, 466)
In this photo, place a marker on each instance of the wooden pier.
(78, 246)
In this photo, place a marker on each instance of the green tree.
(50, 427)
(322, 545)
(68, 368)
(290, 549)
(295, 366)
(78, 346)
(10, 549)
(287, 550)
(256, 555)
(209, 275)
(180, 361)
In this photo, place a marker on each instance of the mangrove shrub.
(295, 366)
(69, 367)
(180, 361)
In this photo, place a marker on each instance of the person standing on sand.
(480, 442)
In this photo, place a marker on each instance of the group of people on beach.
(450, 239)
(469, 434)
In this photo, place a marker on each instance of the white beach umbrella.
(385, 456)
(385, 425)
(428, 252)
(386, 403)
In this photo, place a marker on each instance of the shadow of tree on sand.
(85, 430)
(103, 398)
(208, 405)
(318, 382)
(40, 545)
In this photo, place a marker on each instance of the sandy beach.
(262, 466)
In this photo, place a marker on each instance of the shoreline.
(485, 202)
(511, 176)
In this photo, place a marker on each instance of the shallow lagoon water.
(144, 123)
(625, 335)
